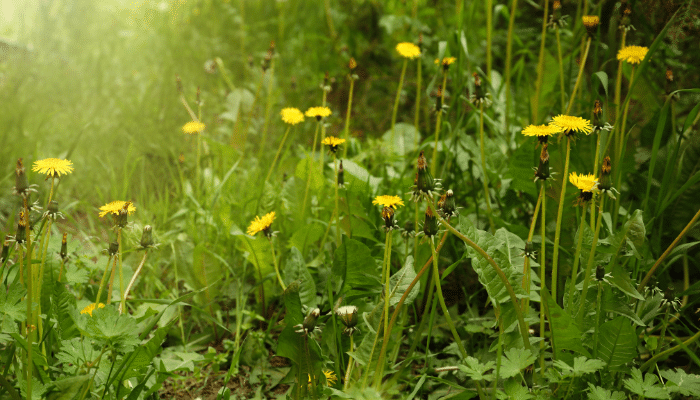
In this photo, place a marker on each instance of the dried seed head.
(309, 323)
(605, 181)
(21, 233)
(447, 205)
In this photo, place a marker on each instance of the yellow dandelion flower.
(193, 127)
(541, 130)
(292, 116)
(408, 50)
(261, 224)
(590, 21)
(447, 61)
(331, 379)
(584, 182)
(632, 54)
(53, 167)
(332, 141)
(114, 208)
(318, 112)
(388, 201)
(90, 308)
(570, 124)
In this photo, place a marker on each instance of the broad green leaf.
(302, 172)
(70, 387)
(295, 270)
(679, 381)
(405, 138)
(108, 326)
(598, 393)
(621, 280)
(581, 366)
(306, 235)
(516, 360)
(38, 389)
(356, 267)
(515, 390)
(603, 77)
(647, 387)
(617, 342)
(617, 303)
(62, 304)
(74, 353)
(358, 180)
(566, 335)
(180, 361)
(476, 370)
(206, 269)
(291, 344)
(147, 352)
(400, 282)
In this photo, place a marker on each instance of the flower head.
(91, 307)
(632, 54)
(424, 185)
(331, 379)
(53, 167)
(446, 62)
(307, 327)
(542, 172)
(318, 112)
(543, 132)
(388, 201)
(261, 224)
(584, 182)
(116, 206)
(348, 316)
(333, 142)
(193, 127)
(569, 124)
(292, 116)
(591, 23)
(408, 50)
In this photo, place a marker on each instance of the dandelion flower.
(90, 308)
(193, 127)
(318, 112)
(292, 116)
(591, 23)
(388, 201)
(584, 182)
(53, 167)
(114, 208)
(261, 224)
(570, 124)
(333, 142)
(446, 62)
(632, 54)
(541, 131)
(331, 379)
(408, 50)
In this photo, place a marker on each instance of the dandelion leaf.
(400, 282)
(357, 269)
(566, 335)
(295, 270)
(617, 342)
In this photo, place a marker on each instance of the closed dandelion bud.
(113, 248)
(409, 229)
(121, 218)
(430, 226)
(388, 217)
(21, 183)
(5, 249)
(542, 172)
(64, 246)
(341, 175)
(309, 323)
(670, 293)
(600, 273)
(529, 249)
(147, 237)
(605, 181)
(626, 20)
(424, 180)
(591, 23)
(447, 205)
(21, 234)
(348, 316)
(598, 122)
(352, 64)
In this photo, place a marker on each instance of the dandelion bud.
(529, 249)
(113, 248)
(5, 249)
(120, 219)
(430, 226)
(670, 293)
(542, 171)
(348, 316)
(388, 217)
(447, 205)
(591, 23)
(147, 237)
(309, 323)
(479, 96)
(341, 175)
(21, 234)
(438, 101)
(626, 20)
(352, 64)
(600, 273)
(64, 246)
(605, 182)
(424, 180)
(556, 6)
(409, 229)
(21, 183)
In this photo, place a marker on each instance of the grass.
(217, 313)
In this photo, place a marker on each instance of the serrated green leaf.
(599, 393)
(295, 270)
(11, 303)
(516, 360)
(679, 381)
(476, 370)
(581, 366)
(647, 387)
(617, 342)
(617, 303)
(515, 390)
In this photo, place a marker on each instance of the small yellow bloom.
(318, 112)
(261, 224)
(541, 130)
(193, 127)
(584, 182)
(90, 308)
(408, 50)
(292, 116)
(332, 141)
(114, 208)
(53, 167)
(447, 61)
(632, 54)
(388, 201)
(570, 124)
(591, 21)
(331, 379)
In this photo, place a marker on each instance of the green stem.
(386, 278)
(557, 234)
(311, 368)
(618, 94)
(589, 267)
(396, 102)
(274, 261)
(419, 82)
(104, 279)
(438, 121)
(279, 150)
(198, 172)
(337, 209)
(121, 271)
(346, 131)
(484, 177)
(543, 284)
(582, 66)
(489, 28)
(441, 299)
(621, 150)
(415, 237)
(309, 168)
(28, 366)
(268, 109)
(652, 361)
(540, 64)
(577, 255)
(597, 320)
(509, 59)
(501, 275)
(133, 278)
(526, 262)
(348, 371)
(561, 68)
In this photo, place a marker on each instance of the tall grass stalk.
(578, 77)
(557, 233)
(596, 327)
(104, 279)
(438, 119)
(337, 209)
(346, 130)
(618, 95)
(28, 365)
(489, 29)
(484, 178)
(509, 59)
(561, 68)
(386, 278)
(621, 147)
(274, 262)
(540, 64)
(589, 266)
(348, 370)
(396, 101)
(577, 254)
(121, 271)
(251, 113)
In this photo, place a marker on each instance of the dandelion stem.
(484, 177)
(438, 120)
(577, 255)
(683, 345)
(29, 336)
(557, 234)
(279, 150)
(348, 371)
(589, 266)
(323, 132)
(509, 59)
(309, 168)
(621, 149)
(578, 78)
(489, 28)
(441, 299)
(386, 277)
(526, 262)
(111, 280)
(246, 128)
(561, 68)
(133, 278)
(396, 102)
(121, 271)
(337, 209)
(596, 332)
(268, 109)
(419, 82)
(540, 64)
(274, 261)
(543, 282)
(346, 131)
